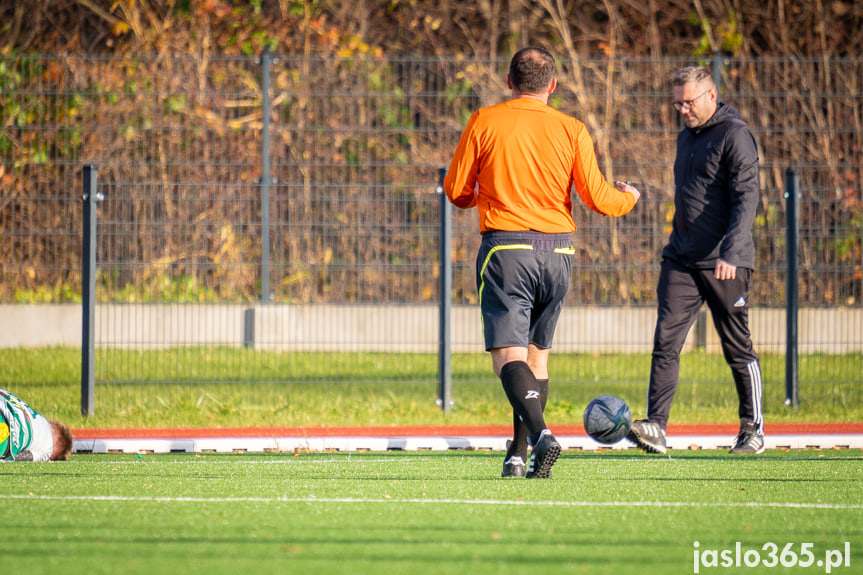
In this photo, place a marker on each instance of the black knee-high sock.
(519, 434)
(522, 390)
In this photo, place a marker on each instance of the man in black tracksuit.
(709, 258)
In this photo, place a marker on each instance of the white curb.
(431, 443)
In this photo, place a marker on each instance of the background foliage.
(162, 93)
(487, 28)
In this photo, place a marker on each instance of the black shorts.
(522, 281)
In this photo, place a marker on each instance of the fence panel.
(354, 149)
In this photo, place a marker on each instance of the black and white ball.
(607, 419)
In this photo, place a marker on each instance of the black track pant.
(680, 294)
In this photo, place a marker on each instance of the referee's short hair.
(531, 70)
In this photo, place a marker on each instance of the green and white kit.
(23, 431)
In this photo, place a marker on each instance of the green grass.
(424, 512)
(228, 387)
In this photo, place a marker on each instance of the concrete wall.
(392, 328)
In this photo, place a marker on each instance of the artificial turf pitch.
(434, 512)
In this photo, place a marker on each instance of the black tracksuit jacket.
(716, 193)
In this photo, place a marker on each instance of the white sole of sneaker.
(648, 447)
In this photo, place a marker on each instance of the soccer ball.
(607, 419)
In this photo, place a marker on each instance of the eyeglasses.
(688, 103)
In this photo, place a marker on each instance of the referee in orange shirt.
(517, 163)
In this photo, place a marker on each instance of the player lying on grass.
(518, 162)
(25, 435)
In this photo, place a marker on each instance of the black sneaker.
(514, 467)
(647, 435)
(543, 456)
(749, 440)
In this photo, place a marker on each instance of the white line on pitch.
(769, 505)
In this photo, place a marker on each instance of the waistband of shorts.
(539, 240)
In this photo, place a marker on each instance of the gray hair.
(693, 74)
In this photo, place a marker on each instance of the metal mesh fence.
(257, 207)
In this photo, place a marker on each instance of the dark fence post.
(88, 291)
(717, 71)
(444, 357)
(792, 231)
(266, 62)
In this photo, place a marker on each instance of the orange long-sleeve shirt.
(517, 162)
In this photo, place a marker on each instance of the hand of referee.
(625, 187)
